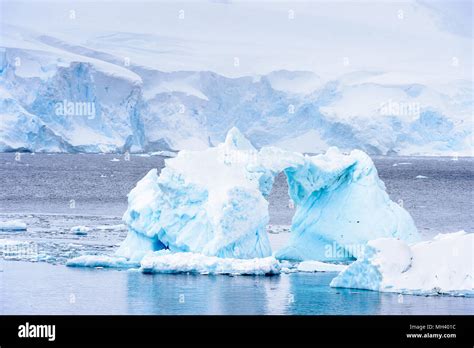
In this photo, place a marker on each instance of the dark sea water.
(52, 193)
(40, 183)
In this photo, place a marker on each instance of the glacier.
(160, 86)
(213, 202)
(442, 265)
(132, 115)
(141, 108)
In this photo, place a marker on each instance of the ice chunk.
(162, 153)
(80, 230)
(167, 262)
(101, 261)
(111, 227)
(441, 265)
(318, 266)
(213, 202)
(12, 225)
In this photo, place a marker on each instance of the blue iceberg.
(214, 202)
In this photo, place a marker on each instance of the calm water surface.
(41, 288)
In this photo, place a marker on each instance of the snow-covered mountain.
(73, 83)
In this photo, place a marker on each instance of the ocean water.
(46, 184)
(52, 193)
(42, 288)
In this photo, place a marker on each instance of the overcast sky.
(327, 37)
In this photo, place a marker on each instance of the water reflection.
(312, 295)
(197, 294)
(40, 288)
(300, 293)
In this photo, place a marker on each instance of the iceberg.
(439, 266)
(203, 202)
(213, 202)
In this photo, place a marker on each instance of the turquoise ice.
(213, 202)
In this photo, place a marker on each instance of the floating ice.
(12, 225)
(165, 261)
(318, 266)
(101, 261)
(163, 153)
(213, 202)
(111, 227)
(80, 230)
(442, 265)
